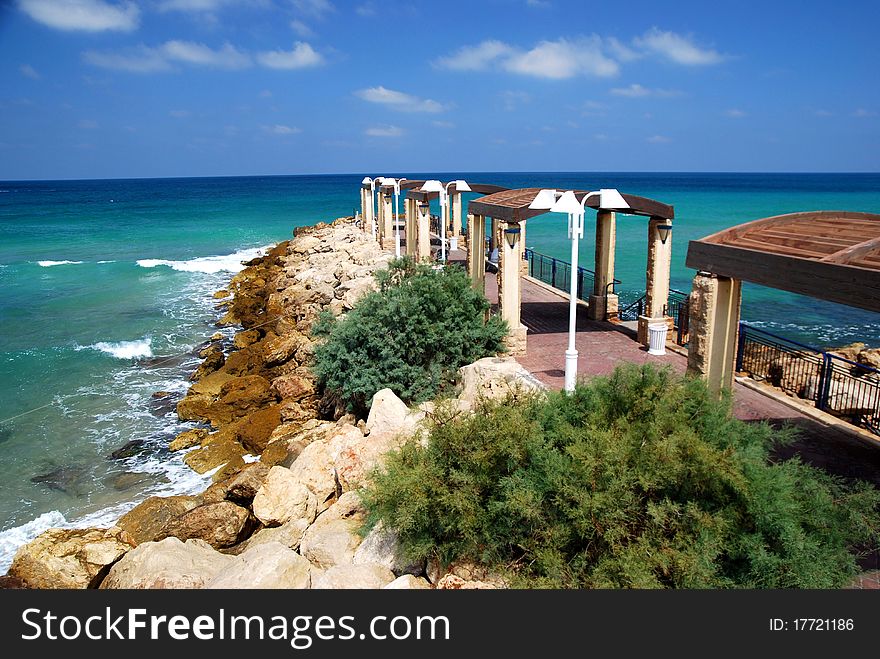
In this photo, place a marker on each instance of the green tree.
(640, 479)
(412, 335)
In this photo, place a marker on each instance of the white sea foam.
(49, 264)
(123, 349)
(106, 261)
(208, 264)
(12, 539)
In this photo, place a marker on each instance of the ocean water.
(106, 291)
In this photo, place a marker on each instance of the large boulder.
(388, 412)
(168, 563)
(239, 397)
(220, 524)
(314, 469)
(283, 498)
(293, 387)
(381, 546)
(240, 488)
(214, 452)
(368, 576)
(356, 456)
(268, 565)
(254, 430)
(282, 348)
(70, 558)
(289, 534)
(188, 439)
(408, 582)
(495, 378)
(145, 521)
(333, 538)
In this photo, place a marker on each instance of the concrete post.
(455, 206)
(523, 264)
(423, 233)
(603, 302)
(386, 223)
(412, 230)
(657, 280)
(714, 307)
(369, 212)
(476, 254)
(363, 208)
(510, 292)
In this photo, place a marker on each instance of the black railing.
(558, 274)
(676, 306)
(836, 385)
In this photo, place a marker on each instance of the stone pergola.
(829, 255)
(509, 210)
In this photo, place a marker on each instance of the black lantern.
(663, 230)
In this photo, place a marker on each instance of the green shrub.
(412, 335)
(638, 480)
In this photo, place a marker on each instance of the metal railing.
(836, 385)
(676, 306)
(558, 274)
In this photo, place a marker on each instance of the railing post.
(553, 270)
(740, 347)
(824, 385)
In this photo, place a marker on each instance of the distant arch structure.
(827, 255)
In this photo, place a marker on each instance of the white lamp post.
(372, 184)
(436, 186)
(609, 199)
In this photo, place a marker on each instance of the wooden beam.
(730, 235)
(854, 252)
(845, 284)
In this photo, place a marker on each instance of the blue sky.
(115, 88)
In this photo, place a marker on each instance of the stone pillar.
(509, 291)
(363, 208)
(714, 307)
(410, 210)
(523, 264)
(476, 254)
(369, 211)
(455, 212)
(603, 302)
(386, 222)
(423, 233)
(657, 280)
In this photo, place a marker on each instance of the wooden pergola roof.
(480, 188)
(830, 255)
(513, 205)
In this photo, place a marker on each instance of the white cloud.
(636, 90)
(559, 59)
(633, 91)
(620, 51)
(280, 129)
(513, 99)
(29, 72)
(366, 9)
(189, 52)
(823, 113)
(302, 56)
(538, 4)
(193, 5)
(179, 114)
(735, 113)
(266, 94)
(85, 15)
(384, 131)
(399, 100)
(658, 139)
(301, 29)
(676, 48)
(862, 113)
(140, 60)
(315, 8)
(443, 124)
(475, 58)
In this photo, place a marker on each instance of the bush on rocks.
(411, 335)
(641, 479)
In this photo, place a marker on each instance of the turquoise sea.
(105, 292)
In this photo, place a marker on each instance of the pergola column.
(368, 210)
(523, 264)
(476, 253)
(412, 231)
(423, 232)
(509, 290)
(493, 235)
(386, 222)
(455, 206)
(657, 276)
(603, 302)
(714, 308)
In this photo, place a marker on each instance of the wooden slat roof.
(480, 188)
(830, 255)
(513, 205)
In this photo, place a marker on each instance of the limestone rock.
(254, 430)
(453, 582)
(210, 385)
(290, 535)
(382, 547)
(246, 338)
(240, 488)
(268, 565)
(496, 377)
(239, 397)
(408, 582)
(388, 412)
(281, 349)
(220, 524)
(145, 521)
(354, 577)
(168, 563)
(283, 498)
(213, 454)
(314, 469)
(69, 558)
(333, 538)
(356, 457)
(188, 439)
(293, 387)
